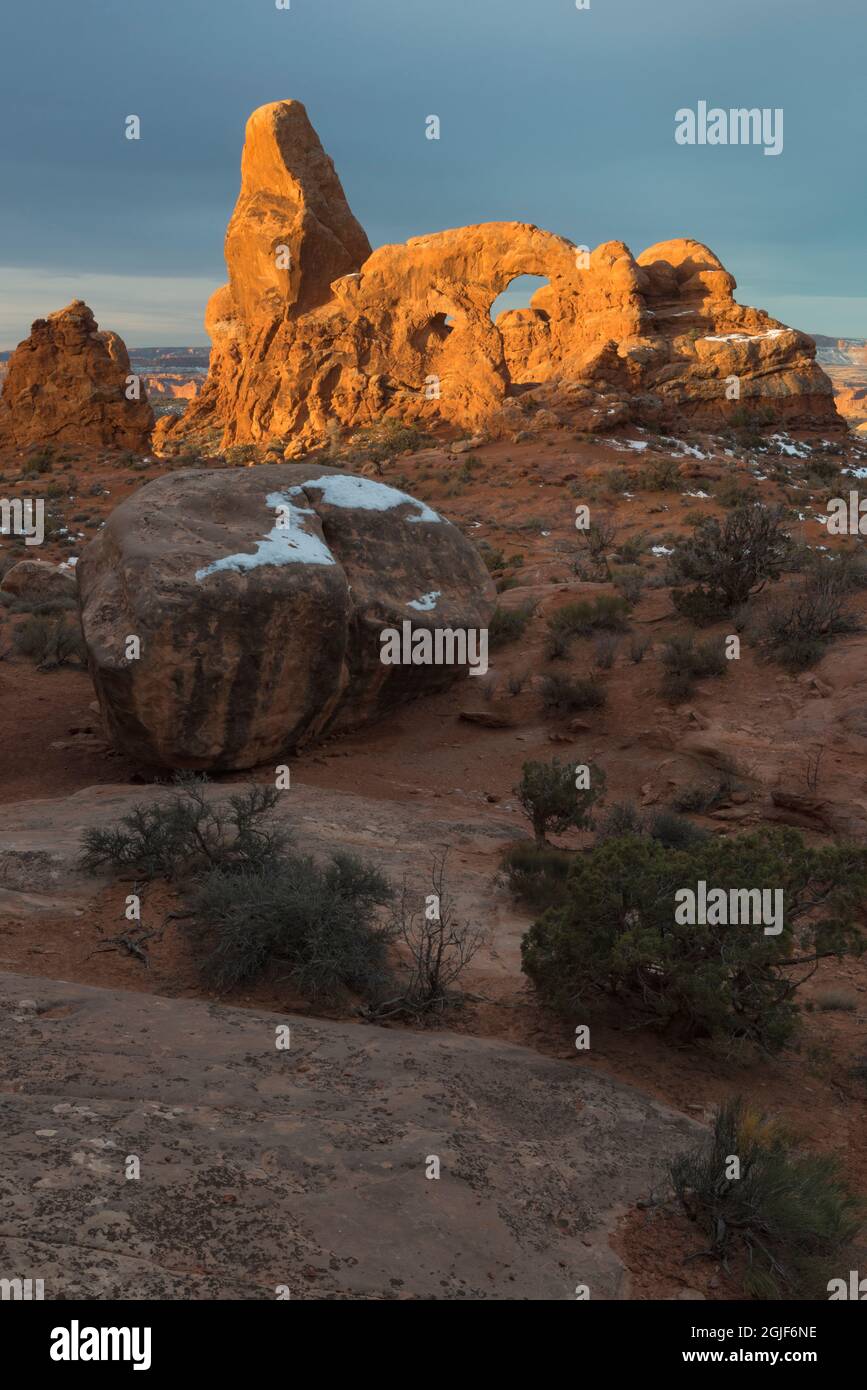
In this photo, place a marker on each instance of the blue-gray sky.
(549, 114)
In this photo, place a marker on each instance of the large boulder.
(258, 597)
(35, 581)
(67, 383)
(313, 330)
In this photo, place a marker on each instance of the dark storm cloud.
(549, 114)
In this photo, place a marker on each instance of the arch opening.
(517, 294)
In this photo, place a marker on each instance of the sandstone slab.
(305, 1167)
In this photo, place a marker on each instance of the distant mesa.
(313, 328)
(67, 383)
(172, 384)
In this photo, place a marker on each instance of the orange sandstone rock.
(314, 330)
(67, 383)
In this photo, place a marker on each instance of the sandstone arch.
(345, 335)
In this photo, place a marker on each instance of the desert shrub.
(789, 1217)
(823, 471)
(598, 538)
(508, 624)
(834, 999)
(728, 563)
(437, 948)
(186, 833)
(684, 662)
(557, 645)
(851, 568)
(702, 796)
(661, 476)
(536, 874)
(295, 920)
(50, 641)
(384, 441)
(237, 455)
(45, 607)
(39, 461)
(617, 480)
(569, 694)
(630, 551)
(494, 560)
(608, 613)
(639, 646)
(674, 831)
(516, 681)
(620, 932)
(551, 800)
(623, 818)
(605, 650)
(797, 630)
(734, 491)
(629, 584)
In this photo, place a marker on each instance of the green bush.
(187, 833)
(381, 442)
(43, 608)
(684, 662)
(237, 455)
(662, 475)
(728, 563)
(294, 920)
(788, 1216)
(618, 933)
(622, 818)
(569, 694)
(629, 584)
(536, 874)
(557, 646)
(50, 642)
(797, 630)
(39, 461)
(552, 801)
(630, 551)
(702, 796)
(605, 650)
(674, 831)
(604, 614)
(507, 625)
(733, 491)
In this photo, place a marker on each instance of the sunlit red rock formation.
(313, 329)
(172, 384)
(67, 383)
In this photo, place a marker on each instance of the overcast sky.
(551, 115)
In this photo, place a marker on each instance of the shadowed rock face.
(314, 329)
(259, 597)
(66, 383)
